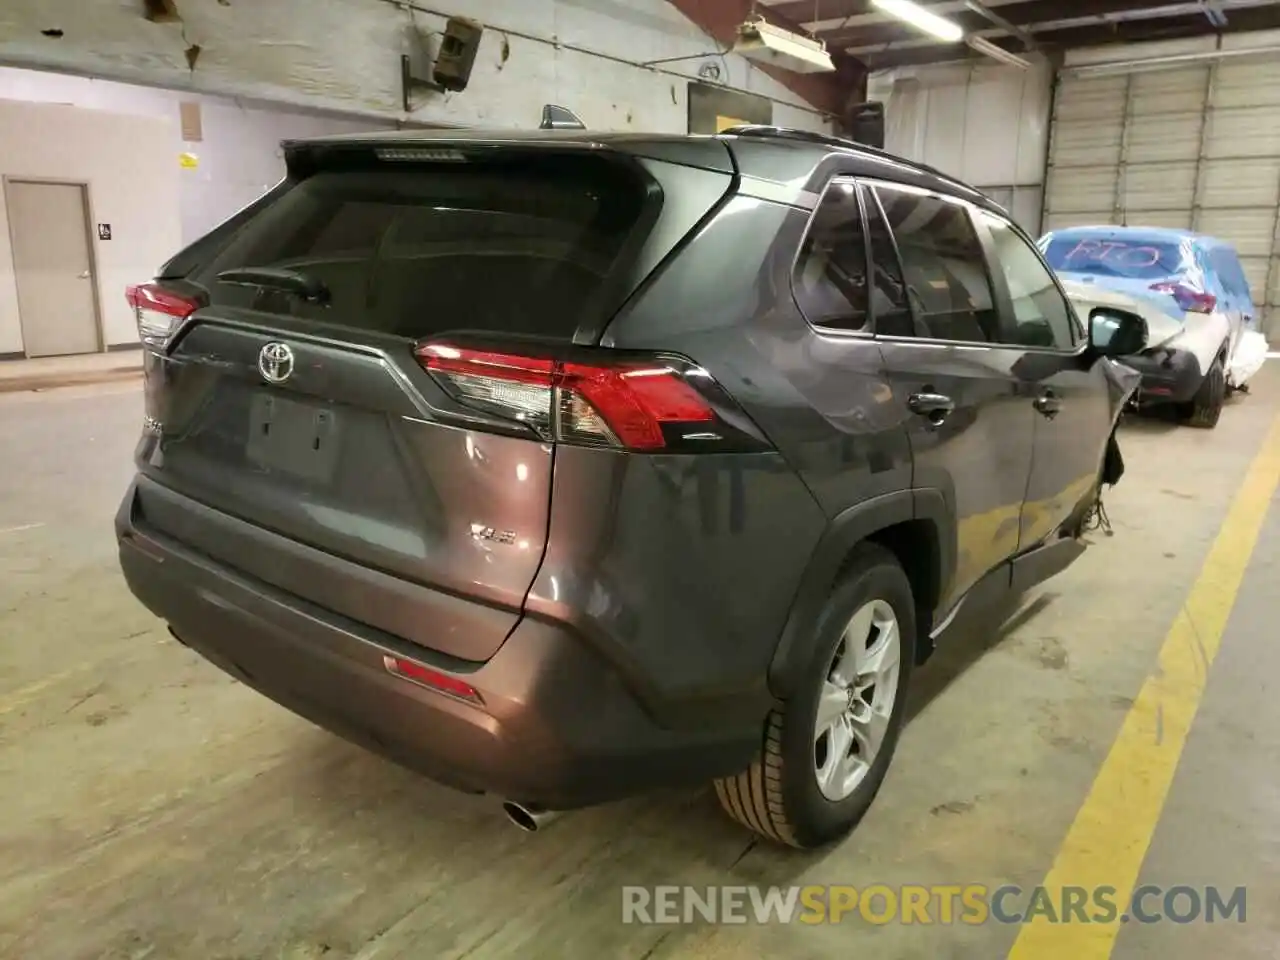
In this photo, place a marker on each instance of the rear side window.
(1131, 258)
(1041, 316)
(830, 277)
(943, 265)
(1230, 274)
(890, 304)
(521, 243)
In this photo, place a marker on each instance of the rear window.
(1130, 258)
(521, 243)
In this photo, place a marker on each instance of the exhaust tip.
(530, 819)
(523, 818)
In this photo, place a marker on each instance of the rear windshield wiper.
(290, 281)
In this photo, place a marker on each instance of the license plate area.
(289, 437)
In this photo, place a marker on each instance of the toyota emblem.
(275, 362)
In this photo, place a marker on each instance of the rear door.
(311, 418)
(971, 429)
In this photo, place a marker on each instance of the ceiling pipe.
(982, 10)
(1213, 12)
(989, 49)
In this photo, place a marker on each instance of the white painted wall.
(130, 169)
(239, 157)
(345, 55)
(274, 69)
(985, 124)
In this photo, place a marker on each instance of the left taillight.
(157, 311)
(646, 404)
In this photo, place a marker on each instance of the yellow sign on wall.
(188, 161)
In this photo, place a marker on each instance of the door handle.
(84, 275)
(936, 406)
(1048, 404)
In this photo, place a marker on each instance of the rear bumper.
(1171, 376)
(558, 727)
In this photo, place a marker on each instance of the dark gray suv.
(564, 466)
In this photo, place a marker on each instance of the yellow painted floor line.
(1108, 840)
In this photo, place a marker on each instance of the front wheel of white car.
(1205, 408)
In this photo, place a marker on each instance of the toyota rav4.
(562, 467)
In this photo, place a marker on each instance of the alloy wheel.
(857, 700)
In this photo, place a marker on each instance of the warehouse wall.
(984, 123)
(237, 157)
(127, 163)
(344, 55)
(1192, 142)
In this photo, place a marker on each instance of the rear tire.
(814, 781)
(1205, 407)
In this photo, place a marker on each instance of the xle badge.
(489, 535)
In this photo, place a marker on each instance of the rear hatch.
(1157, 270)
(289, 392)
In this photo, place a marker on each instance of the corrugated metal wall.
(1194, 146)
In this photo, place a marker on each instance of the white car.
(1192, 294)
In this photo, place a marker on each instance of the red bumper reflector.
(433, 679)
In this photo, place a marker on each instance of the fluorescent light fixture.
(921, 19)
(762, 42)
(989, 49)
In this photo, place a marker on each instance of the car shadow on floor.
(968, 641)
(1154, 421)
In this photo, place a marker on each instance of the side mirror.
(1116, 333)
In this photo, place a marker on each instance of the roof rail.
(790, 133)
(765, 131)
(808, 136)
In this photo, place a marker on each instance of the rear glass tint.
(522, 243)
(1130, 258)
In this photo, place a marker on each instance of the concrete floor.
(48, 373)
(150, 807)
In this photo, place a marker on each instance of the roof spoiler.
(559, 118)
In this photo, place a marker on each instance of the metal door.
(57, 305)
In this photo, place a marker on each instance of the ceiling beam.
(1028, 12)
(830, 92)
(1136, 31)
(802, 11)
(1024, 15)
(858, 12)
(987, 13)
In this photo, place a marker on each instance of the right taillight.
(638, 404)
(1187, 298)
(158, 311)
